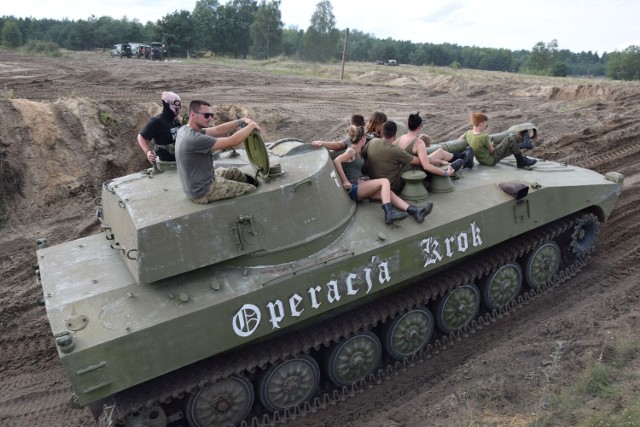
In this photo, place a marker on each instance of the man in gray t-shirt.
(194, 145)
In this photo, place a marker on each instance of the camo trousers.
(507, 147)
(227, 183)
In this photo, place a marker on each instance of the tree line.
(249, 28)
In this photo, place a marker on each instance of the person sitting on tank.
(162, 129)
(349, 167)
(413, 144)
(383, 159)
(486, 152)
(374, 125)
(195, 143)
(338, 147)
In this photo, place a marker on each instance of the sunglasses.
(206, 115)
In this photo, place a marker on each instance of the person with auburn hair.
(349, 167)
(373, 128)
(486, 152)
(414, 144)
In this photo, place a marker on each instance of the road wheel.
(457, 308)
(289, 383)
(541, 264)
(405, 335)
(502, 286)
(353, 359)
(220, 404)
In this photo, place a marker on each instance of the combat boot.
(468, 158)
(523, 161)
(457, 156)
(420, 213)
(526, 143)
(457, 165)
(391, 214)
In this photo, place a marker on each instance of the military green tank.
(206, 314)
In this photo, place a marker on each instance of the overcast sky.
(590, 25)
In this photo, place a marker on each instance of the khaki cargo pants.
(227, 183)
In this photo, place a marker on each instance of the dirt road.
(68, 124)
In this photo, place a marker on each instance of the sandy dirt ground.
(68, 124)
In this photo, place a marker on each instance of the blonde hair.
(425, 138)
(355, 134)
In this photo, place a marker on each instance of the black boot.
(526, 143)
(457, 165)
(468, 158)
(420, 213)
(523, 161)
(457, 156)
(391, 214)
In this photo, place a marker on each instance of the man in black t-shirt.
(162, 129)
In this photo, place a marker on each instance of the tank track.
(178, 384)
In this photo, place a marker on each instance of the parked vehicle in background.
(121, 50)
(140, 50)
(391, 62)
(157, 51)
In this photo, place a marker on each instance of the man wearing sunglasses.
(162, 129)
(195, 143)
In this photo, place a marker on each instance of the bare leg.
(377, 189)
(438, 156)
(398, 202)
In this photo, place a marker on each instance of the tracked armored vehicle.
(179, 313)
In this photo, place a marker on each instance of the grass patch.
(605, 393)
(7, 94)
(109, 122)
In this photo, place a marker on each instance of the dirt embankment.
(68, 124)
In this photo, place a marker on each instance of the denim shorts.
(353, 193)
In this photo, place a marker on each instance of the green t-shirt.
(480, 143)
(386, 160)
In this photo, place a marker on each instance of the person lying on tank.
(162, 129)
(486, 152)
(413, 144)
(340, 146)
(349, 167)
(195, 143)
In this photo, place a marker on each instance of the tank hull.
(124, 333)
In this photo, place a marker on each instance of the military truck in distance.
(211, 313)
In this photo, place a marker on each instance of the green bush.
(43, 48)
